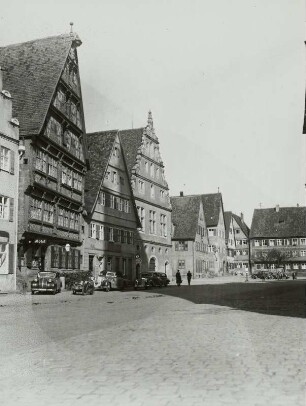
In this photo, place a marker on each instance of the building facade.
(111, 220)
(237, 243)
(278, 239)
(51, 187)
(242, 251)
(151, 192)
(215, 222)
(190, 238)
(9, 167)
(230, 241)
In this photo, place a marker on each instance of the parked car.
(85, 287)
(102, 282)
(46, 281)
(153, 279)
(163, 277)
(115, 280)
(142, 283)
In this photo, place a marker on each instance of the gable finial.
(150, 119)
(71, 28)
(218, 189)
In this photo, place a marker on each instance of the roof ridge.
(100, 132)
(132, 129)
(39, 39)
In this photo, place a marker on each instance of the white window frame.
(93, 230)
(5, 159)
(4, 208)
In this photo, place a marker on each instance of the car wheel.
(32, 292)
(54, 292)
(59, 290)
(73, 292)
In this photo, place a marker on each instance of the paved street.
(214, 344)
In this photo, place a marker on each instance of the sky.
(224, 79)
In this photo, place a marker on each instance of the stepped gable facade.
(151, 192)
(43, 76)
(281, 230)
(190, 238)
(111, 218)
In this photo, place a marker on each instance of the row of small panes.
(66, 138)
(63, 103)
(101, 232)
(280, 241)
(114, 202)
(45, 211)
(287, 266)
(45, 163)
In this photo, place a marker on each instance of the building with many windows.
(215, 222)
(190, 242)
(237, 242)
(9, 140)
(278, 238)
(111, 220)
(44, 77)
(151, 192)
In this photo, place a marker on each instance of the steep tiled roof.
(212, 204)
(32, 72)
(185, 215)
(242, 225)
(287, 222)
(100, 145)
(131, 141)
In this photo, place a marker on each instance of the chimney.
(277, 208)
(181, 194)
(241, 216)
(297, 205)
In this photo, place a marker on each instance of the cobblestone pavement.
(152, 348)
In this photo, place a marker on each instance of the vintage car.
(102, 282)
(142, 283)
(153, 279)
(111, 280)
(85, 287)
(46, 281)
(163, 277)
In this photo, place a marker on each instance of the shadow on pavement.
(284, 298)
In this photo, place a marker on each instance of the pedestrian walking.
(189, 277)
(178, 278)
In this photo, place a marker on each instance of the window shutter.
(12, 170)
(107, 200)
(11, 209)
(11, 259)
(97, 232)
(89, 230)
(106, 231)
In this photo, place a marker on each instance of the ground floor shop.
(41, 253)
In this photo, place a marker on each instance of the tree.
(273, 256)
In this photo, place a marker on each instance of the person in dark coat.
(178, 278)
(189, 277)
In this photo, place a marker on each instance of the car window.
(46, 274)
